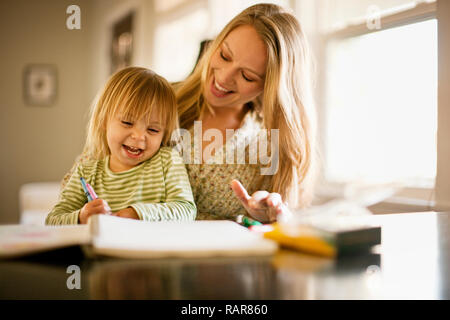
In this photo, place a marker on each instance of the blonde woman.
(254, 76)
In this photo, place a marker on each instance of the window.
(377, 99)
(381, 106)
(177, 43)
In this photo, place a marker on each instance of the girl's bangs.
(138, 99)
(139, 104)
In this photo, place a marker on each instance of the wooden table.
(411, 263)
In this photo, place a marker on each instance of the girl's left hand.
(127, 213)
(262, 205)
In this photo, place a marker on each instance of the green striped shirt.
(158, 189)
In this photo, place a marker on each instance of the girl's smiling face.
(237, 69)
(133, 142)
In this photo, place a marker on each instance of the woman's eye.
(247, 78)
(223, 57)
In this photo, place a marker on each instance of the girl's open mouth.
(132, 152)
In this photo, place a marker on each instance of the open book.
(112, 236)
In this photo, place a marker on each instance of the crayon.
(91, 191)
(86, 190)
(246, 221)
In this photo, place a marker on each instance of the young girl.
(130, 165)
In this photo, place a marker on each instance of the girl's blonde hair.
(286, 102)
(132, 92)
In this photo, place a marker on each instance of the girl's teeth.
(133, 150)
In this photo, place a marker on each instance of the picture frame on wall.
(121, 52)
(40, 84)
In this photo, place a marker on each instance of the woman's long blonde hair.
(286, 102)
(132, 92)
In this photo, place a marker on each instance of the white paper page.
(19, 240)
(138, 239)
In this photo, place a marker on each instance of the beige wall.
(40, 143)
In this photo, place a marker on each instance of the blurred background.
(382, 88)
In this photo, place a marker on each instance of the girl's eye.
(223, 57)
(153, 130)
(247, 78)
(127, 123)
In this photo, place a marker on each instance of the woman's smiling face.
(237, 69)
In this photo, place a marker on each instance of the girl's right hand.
(97, 206)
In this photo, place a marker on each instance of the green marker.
(246, 221)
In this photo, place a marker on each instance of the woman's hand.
(262, 205)
(97, 206)
(129, 213)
